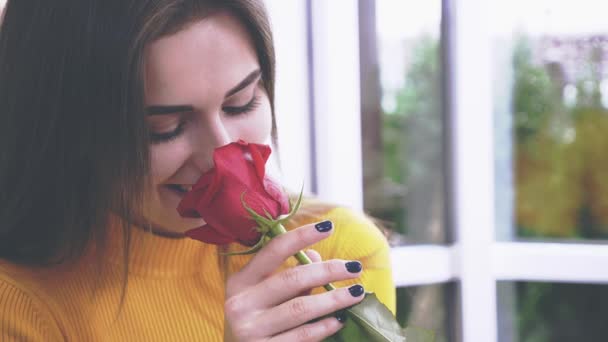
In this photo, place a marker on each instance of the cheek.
(256, 127)
(166, 159)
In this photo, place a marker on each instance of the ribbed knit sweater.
(175, 288)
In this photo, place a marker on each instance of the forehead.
(207, 57)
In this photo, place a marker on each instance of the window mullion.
(335, 49)
(471, 153)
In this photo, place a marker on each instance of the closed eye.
(237, 110)
(157, 138)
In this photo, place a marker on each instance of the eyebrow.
(171, 109)
(254, 75)
(163, 110)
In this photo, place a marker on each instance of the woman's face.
(203, 90)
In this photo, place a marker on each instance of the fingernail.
(356, 290)
(353, 266)
(324, 226)
(341, 316)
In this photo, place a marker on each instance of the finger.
(310, 332)
(303, 309)
(269, 258)
(287, 284)
(314, 257)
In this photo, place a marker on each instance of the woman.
(110, 111)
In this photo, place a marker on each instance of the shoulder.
(357, 237)
(23, 315)
(355, 234)
(354, 223)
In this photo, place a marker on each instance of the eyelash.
(157, 138)
(251, 105)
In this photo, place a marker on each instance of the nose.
(212, 134)
(218, 133)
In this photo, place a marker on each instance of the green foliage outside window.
(560, 166)
(561, 188)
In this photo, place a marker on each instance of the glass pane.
(402, 121)
(551, 96)
(428, 308)
(554, 312)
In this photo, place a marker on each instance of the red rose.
(216, 197)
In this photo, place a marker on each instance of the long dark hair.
(73, 141)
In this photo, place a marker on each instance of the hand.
(263, 306)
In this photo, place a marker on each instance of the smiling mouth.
(181, 189)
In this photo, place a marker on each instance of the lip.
(176, 190)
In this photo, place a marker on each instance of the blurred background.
(388, 143)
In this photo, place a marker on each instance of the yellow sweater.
(175, 289)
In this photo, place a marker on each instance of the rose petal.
(187, 207)
(239, 168)
(277, 193)
(259, 154)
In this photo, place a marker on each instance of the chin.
(175, 226)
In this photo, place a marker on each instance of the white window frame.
(476, 260)
(292, 105)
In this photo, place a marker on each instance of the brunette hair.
(73, 140)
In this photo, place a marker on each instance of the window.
(550, 137)
(402, 139)
(502, 108)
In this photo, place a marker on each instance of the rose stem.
(303, 259)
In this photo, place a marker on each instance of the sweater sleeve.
(357, 238)
(23, 319)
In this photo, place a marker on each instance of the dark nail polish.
(353, 266)
(356, 290)
(324, 226)
(341, 316)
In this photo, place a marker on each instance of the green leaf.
(293, 209)
(259, 219)
(268, 215)
(372, 321)
(290, 205)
